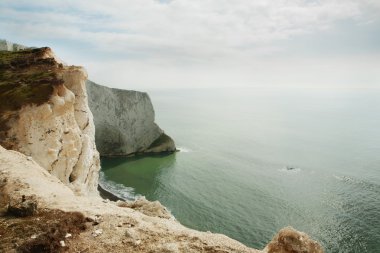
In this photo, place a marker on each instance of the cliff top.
(26, 77)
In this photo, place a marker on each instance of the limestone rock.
(45, 115)
(150, 208)
(124, 122)
(289, 240)
(163, 144)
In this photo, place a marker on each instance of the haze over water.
(256, 160)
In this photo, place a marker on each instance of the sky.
(149, 44)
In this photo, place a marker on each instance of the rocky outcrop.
(45, 115)
(290, 240)
(124, 122)
(139, 226)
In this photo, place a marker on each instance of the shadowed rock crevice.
(163, 144)
(289, 240)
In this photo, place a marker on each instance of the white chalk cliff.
(124, 122)
(57, 131)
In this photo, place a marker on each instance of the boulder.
(23, 208)
(289, 240)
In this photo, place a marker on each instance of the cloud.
(196, 27)
(179, 33)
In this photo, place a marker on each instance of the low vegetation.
(25, 78)
(40, 233)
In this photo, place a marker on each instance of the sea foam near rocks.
(119, 190)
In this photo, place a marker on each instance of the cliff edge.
(124, 122)
(44, 114)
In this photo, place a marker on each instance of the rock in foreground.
(289, 240)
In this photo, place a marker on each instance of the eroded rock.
(289, 240)
(150, 208)
(44, 114)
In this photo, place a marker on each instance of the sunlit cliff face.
(45, 115)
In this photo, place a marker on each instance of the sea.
(254, 160)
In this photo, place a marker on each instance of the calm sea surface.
(256, 160)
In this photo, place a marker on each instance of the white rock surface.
(124, 121)
(60, 134)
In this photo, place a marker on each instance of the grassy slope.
(25, 78)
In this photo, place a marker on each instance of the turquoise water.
(231, 176)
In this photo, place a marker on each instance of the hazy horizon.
(145, 44)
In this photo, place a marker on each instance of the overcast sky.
(145, 44)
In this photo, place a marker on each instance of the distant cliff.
(124, 122)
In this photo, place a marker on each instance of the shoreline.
(105, 194)
(139, 154)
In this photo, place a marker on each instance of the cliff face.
(124, 119)
(124, 122)
(45, 115)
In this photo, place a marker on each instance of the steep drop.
(124, 122)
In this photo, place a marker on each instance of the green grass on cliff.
(25, 78)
